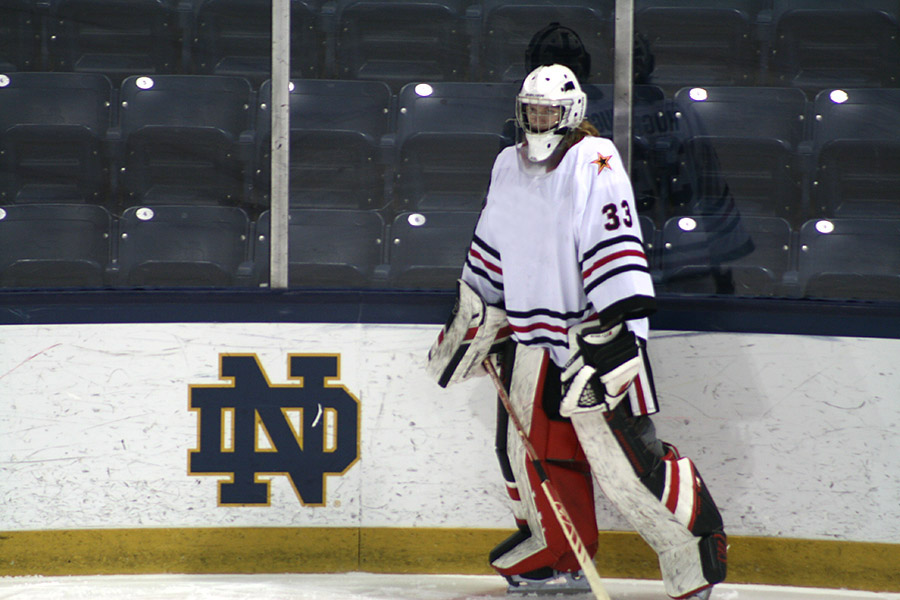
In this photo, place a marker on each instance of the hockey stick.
(559, 510)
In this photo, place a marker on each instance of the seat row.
(83, 245)
(206, 139)
(166, 139)
(57, 245)
(811, 44)
(848, 258)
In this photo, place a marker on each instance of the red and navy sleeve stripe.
(612, 258)
(484, 261)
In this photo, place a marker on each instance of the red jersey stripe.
(533, 326)
(611, 257)
(488, 265)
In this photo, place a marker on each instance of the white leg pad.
(523, 388)
(676, 547)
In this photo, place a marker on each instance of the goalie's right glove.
(604, 364)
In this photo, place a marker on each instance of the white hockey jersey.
(561, 248)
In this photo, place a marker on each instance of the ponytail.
(583, 130)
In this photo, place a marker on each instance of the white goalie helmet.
(548, 106)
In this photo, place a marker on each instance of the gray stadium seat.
(428, 248)
(705, 45)
(20, 48)
(336, 133)
(749, 137)
(54, 245)
(183, 246)
(701, 258)
(856, 150)
(815, 48)
(850, 258)
(117, 38)
(447, 139)
(53, 129)
(185, 139)
(398, 41)
(330, 248)
(506, 26)
(234, 37)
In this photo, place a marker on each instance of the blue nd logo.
(249, 427)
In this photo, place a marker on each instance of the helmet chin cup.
(543, 162)
(540, 146)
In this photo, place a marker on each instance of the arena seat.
(448, 135)
(779, 7)
(117, 38)
(234, 37)
(185, 138)
(815, 48)
(699, 257)
(336, 129)
(53, 129)
(182, 246)
(332, 248)
(850, 258)
(506, 26)
(699, 45)
(54, 245)
(749, 137)
(428, 248)
(398, 41)
(856, 151)
(20, 48)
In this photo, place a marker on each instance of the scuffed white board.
(795, 435)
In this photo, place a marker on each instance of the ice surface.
(358, 586)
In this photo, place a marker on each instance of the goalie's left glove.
(603, 366)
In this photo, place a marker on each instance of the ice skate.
(557, 583)
(701, 595)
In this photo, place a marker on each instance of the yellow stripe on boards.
(139, 551)
(775, 561)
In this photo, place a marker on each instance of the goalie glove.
(603, 366)
(466, 339)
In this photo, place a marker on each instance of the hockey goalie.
(556, 290)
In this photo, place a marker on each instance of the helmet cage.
(522, 104)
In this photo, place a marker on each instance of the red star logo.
(602, 162)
